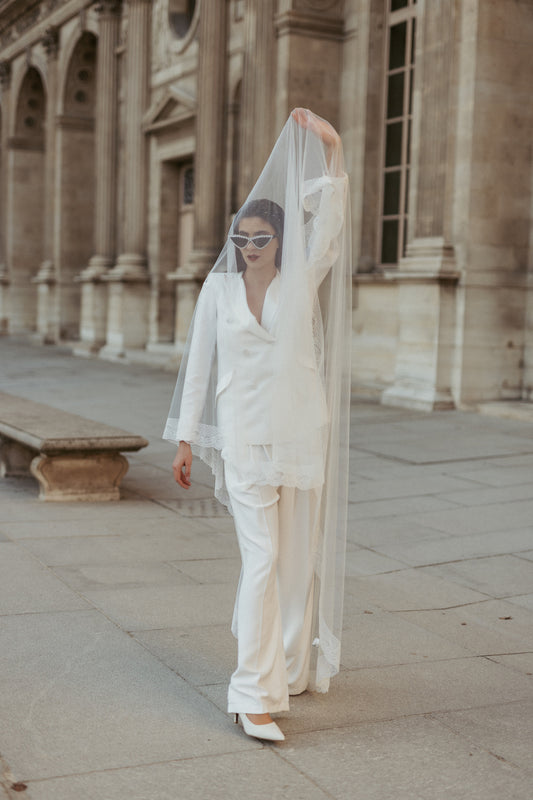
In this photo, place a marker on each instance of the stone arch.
(76, 176)
(25, 208)
(68, 48)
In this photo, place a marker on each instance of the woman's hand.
(320, 127)
(181, 466)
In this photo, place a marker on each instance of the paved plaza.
(115, 648)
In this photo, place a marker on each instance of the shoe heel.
(236, 719)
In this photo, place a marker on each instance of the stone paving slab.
(42, 591)
(497, 576)
(480, 519)
(505, 730)
(194, 544)
(165, 606)
(115, 641)
(255, 775)
(411, 590)
(456, 548)
(491, 627)
(417, 758)
(389, 639)
(202, 655)
(84, 696)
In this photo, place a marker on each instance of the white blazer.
(248, 374)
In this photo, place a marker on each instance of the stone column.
(310, 34)
(427, 277)
(94, 291)
(47, 277)
(209, 221)
(258, 85)
(128, 297)
(209, 212)
(5, 85)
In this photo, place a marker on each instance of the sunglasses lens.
(239, 241)
(261, 241)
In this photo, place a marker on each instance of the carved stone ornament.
(5, 74)
(50, 41)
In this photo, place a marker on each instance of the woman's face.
(254, 258)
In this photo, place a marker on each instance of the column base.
(419, 398)
(93, 315)
(426, 298)
(128, 307)
(47, 304)
(187, 291)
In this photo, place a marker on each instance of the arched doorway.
(24, 217)
(75, 147)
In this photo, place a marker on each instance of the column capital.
(108, 8)
(5, 74)
(50, 41)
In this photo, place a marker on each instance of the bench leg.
(15, 459)
(85, 477)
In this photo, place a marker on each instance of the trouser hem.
(236, 708)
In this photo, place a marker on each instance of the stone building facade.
(131, 130)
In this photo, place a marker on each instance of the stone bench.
(73, 458)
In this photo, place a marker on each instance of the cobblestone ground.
(115, 649)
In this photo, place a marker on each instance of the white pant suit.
(277, 525)
(276, 530)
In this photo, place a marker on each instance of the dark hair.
(271, 213)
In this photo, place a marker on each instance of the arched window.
(180, 14)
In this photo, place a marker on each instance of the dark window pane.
(389, 242)
(413, 41)
(409, 142)
(393, 149)
(396, 4)
(411, 86)
(406, 197)
(391, 194)
(395, 95)
(188, 186)
(397, 45)
(404, 243)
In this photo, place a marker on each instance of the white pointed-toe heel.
(270, 731)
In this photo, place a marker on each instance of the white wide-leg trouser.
(276, 530)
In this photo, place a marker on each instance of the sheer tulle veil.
(308, 432)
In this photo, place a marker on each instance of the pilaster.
(128, 296)
(94, 291)
(257, 128)
(209, 220)
(427, 276)
(47, 276)
(209, 216)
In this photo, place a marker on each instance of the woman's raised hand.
(181, 466)
(320, 127)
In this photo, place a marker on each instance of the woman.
(263, 396)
